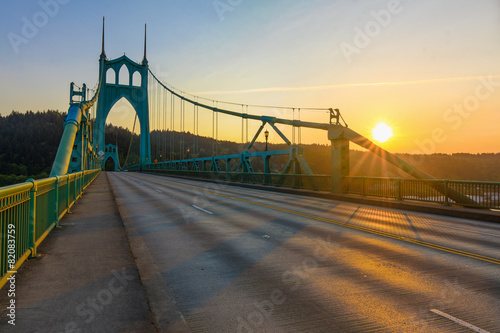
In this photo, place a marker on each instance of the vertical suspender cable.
(242, 124)
(213, 133)
(217, 131)
(246, 121)
(172, 137)
(170, 129)
(181, 155)
(300, 131)
(158, 101)
(130, 144)
(158, 110)
(197, 131)
(151, 114)
(165, 110)
(156, 121)
(183, 122)
(155, 131)
(193, 148)
(183, 129)
(160, 122)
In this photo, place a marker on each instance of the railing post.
(32, 219)
(67, 193)
(75, 188)
(446, 201)
(80, 185)
(400, 196)
(56, 202)
(363, 190)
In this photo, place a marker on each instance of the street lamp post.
(266, 134)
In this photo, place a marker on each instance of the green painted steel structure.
(111, 152)
(123, 78)
(75, 152)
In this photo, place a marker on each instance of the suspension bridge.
(203, 240)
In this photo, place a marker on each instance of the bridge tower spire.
(103, 54)
(145, 60)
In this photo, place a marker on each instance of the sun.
(382, 132)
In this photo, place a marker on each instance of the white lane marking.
(158, 191)
(203, 210)
(458, 321)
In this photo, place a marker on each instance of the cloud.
(342, 85)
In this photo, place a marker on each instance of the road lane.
(268, 262)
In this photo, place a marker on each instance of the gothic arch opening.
(109, 164)
(111, 76)
(136, 79)
(121, 117)
(124, 76)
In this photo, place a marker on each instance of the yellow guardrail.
(29, 211)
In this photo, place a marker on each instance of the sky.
(428, 69)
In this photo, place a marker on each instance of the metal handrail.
(29, 211)
(484, 194)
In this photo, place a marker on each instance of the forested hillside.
(29, 142)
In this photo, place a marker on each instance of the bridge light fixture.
(266, 134)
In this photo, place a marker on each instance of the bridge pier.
(340, 159)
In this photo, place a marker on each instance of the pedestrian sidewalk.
(85, 280)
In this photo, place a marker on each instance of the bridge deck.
(86, 279)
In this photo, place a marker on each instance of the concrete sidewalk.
(85, 280)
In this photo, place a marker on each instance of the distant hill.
(29, 142)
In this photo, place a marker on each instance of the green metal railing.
(311, 182)
(485, 194)
(29, 211)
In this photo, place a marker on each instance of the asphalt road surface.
(217, 258)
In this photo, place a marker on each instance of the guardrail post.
(56, 202)
(32, 219)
